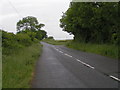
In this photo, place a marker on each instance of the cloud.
(8, 16)
(46, 11)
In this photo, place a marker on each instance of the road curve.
(61, 67)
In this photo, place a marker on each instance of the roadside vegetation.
(0, 59)
(92, 22)
(102, 49)
(20, 52)
(18, 67)
(95, 27)
(109, 50)
(51, 40)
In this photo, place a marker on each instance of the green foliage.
(50, 37)
(102, 49)
(56, 42)
(31, 35)
(31, 26)
(12, 42)
(40, 34)
(29, 32)
(9, 43)
(8, 39)
(27, 23)
(92, 22)
(24, 39)
(19, 52)
(18, 68)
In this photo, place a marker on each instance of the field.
(56, 42)
(18, 67)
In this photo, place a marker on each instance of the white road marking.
(60, 51)
(115, 78)
(80, 61)
(89, 66)
(56, 49)
(85, 64)
(77, 59)
(67, 55)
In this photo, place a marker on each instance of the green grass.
(102, 49)
(18, 68)
(0, 59)
(56, 42)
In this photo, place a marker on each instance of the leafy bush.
(24, 39)
(8, 39)
(50, 37)
(12, 42)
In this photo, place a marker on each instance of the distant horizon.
(48, 36)
(46, 12)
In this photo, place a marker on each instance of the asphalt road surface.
(61, 67)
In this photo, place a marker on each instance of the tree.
(29, 23)
(92, 21)
(41, 34)
(50, 37)
(30, 26)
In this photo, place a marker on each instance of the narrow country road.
(61, 67)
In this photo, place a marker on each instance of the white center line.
(57, 49)
(115, 78)
(85, 64)
(60, 51)
(89, 66)
(77, 59)
(68, 55)
(80, 61)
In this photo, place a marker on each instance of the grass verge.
(18, 67)
(102, 49)
(0, 67)
(56, 42)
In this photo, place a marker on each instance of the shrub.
(24, 39)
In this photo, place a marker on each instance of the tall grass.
(18, 67)
(102, 49)
(0, 67)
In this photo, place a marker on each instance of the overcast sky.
(47, 12)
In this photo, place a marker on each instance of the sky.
(47, 12)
